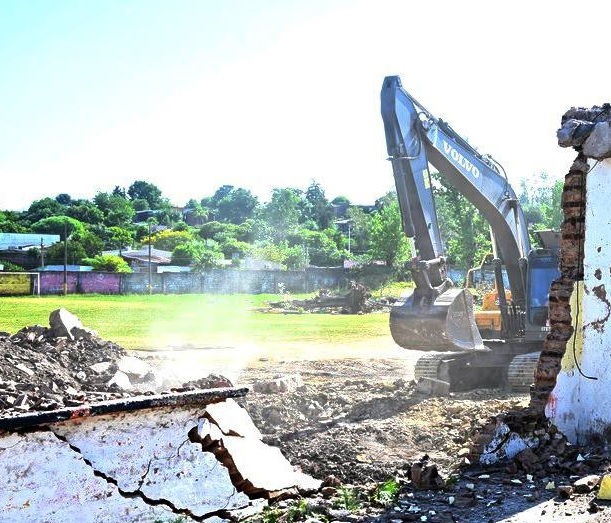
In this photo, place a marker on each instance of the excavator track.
(521, 371)
(434, 366)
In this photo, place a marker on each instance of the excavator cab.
(542, 270)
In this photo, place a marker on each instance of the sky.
(194, 94)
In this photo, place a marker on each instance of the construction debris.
(357, 300)
(84, 437)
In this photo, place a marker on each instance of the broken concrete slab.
(149, 451)
(232, 419)
(31, 466)
(244, 456)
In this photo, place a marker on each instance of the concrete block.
(432, 387)
(232, 419)
(248, 454)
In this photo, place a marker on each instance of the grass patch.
(138, 321)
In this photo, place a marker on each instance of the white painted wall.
(580, 406)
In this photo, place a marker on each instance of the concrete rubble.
(79, 443)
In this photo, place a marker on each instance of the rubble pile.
(357, 300)
(65, 365)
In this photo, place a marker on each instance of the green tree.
(45, 208)
(120, 238)
(58, 225)
(541, 200)
(141, 190)
(201, 255)
(118, 211)
(282, 212)
(317, 208)
(108, 263)
(465, 233)
(236, 206)
(360, 230)
(86, 212)
(168, 240)
(54, 255)
(388, 242)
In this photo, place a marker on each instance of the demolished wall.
(573, 372)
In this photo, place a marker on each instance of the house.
(138, 259)
(24, 249)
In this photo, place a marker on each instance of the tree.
(541, 200)
(120, 238)
(388, 242)
(86, 212)
(44, 208)
(10, 222)
(168, 240)
(237, 206)
(201, 255)
(282, 212)
(141, 190)
(54, 255)
(64, 199)
(108, 263)
(360, 229)
(58, 225)
(117, 210)
(464, 231)
(318, 209)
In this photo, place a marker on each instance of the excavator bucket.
(448, 324)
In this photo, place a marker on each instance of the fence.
(217, 281)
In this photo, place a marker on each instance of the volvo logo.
(460, 160)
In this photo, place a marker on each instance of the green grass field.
(138, 322)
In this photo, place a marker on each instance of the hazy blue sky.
(191, 95)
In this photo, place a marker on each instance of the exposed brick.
(571, 268)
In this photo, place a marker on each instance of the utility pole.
(42, 253)
(65, 257)
(150, 268)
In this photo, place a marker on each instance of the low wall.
(215, 281)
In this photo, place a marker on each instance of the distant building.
(16, 241)
(69, 268)
(24, 249)
(138, 259)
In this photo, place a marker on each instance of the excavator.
(437, 316)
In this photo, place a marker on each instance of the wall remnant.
(574, 372)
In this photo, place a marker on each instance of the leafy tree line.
(295, 228)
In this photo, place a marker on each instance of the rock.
(288, 383)
(424, 475)
(62, 322)
(102, 367)
(598, 143)
(432, 387)
(586, 484)
(331, 481)
(135, 368)
(121, 380)
(565, 491)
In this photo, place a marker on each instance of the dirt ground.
(358, 418)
